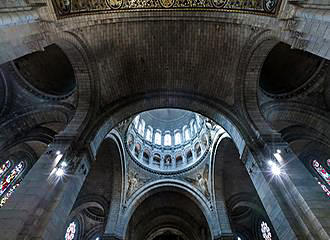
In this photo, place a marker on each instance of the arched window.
(187, 134)
(11, 177)
(167, 161)
(323, 174)
(179, 160)
(137, 149)
(189, 156)
(71, 231)
(146, 156)
(141, 127)
(321, 171)
(136, 121)
(156, 159)
(177, 138)
(149, 135)
(158, 138)
(10, 180)
(167, 140)
(265, 231)
(198, 149)
(4, 167)
(130, 141)
(195, 127)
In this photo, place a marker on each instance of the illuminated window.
(149, 135)
(321, 171)
(187, 134)
(71, 231)
(177, 138)
(158, 138)
(8, 194)
(167, 140)
(141, 127)
(322, 174)
(11, 177)
(195, 127)
(265, 230)
(324, 188)
(136, 121)
(4, 167)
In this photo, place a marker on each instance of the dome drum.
(168, 150)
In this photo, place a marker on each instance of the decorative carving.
(134, 182)
(115, 4)
(219, 3)
(201, 181)
(166, 3)
(270, 5)
(68, 7)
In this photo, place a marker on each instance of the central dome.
(169, 140)
(168, 118)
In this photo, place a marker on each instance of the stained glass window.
(71, 231)
(324, 188)
(328, 162)
(8, 194)
(4, 167)
(11, 177)
(321, 171)
(265, 230)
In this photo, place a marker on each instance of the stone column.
(40, 206)
(295, 203)
(303, 194)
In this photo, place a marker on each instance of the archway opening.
(168, 213)
(247, 216)
(49, 71)
(286, 69)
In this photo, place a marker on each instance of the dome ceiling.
(167, 118)
(169, 140)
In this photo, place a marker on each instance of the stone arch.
(234, 190)
(106, 192)
(30, 118)
(247, 83)
(309, 117)
(78, 54)
(222, 114)
(46, 73)
(4, 93)
(296, 132)
(173, 186)
(40, 134)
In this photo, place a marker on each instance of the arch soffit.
(174, 185)
(234, 126)
(40, 134)
(247, 83)
(22, 151)
(309, 116)
(86, 76)
(300, 132)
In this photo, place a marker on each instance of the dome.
(169, 140)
